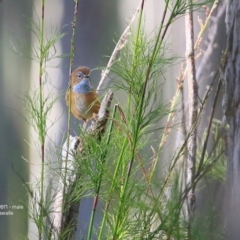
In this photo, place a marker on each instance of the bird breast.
(85, 104)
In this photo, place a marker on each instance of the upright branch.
(193, 111)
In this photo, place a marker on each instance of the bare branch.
(193, 112)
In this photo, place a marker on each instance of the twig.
(208, 129)
(204, 26)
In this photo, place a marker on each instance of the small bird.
(84, 99)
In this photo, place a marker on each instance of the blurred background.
(99, 25)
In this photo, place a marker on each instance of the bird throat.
(83, 87)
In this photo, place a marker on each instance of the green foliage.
(121, 169)
(38, 112)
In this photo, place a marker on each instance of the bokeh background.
(99, 25)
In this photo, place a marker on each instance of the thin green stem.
(135, 54)
(119, 162)
(136, 47)
(42, 121)
(95, 202)
(72, 50)
(113, 182)
(135, 141)
(137, 126)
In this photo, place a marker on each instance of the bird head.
(79, 74)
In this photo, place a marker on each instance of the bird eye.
(80, 75)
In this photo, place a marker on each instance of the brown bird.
(84, 99)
